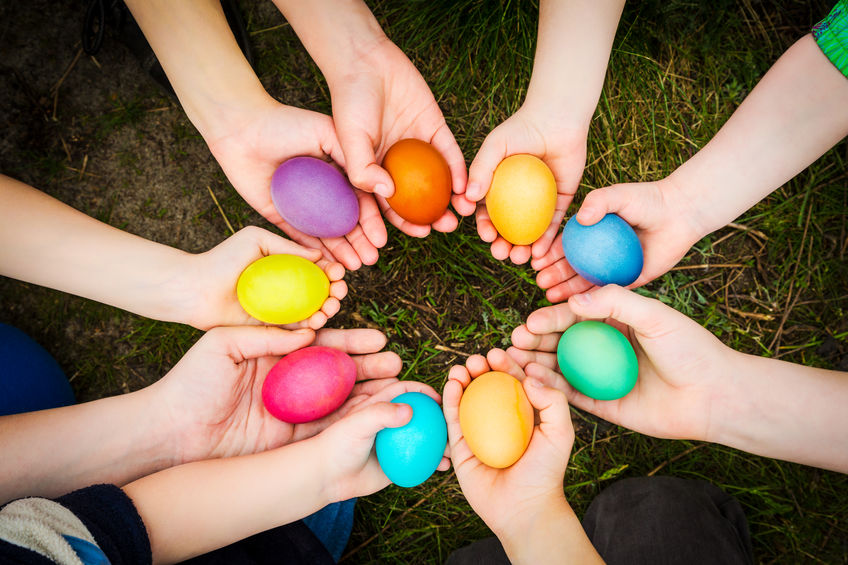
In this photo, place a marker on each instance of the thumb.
(645, 315)
(273, 244)
(365, 423)
(482, 168)
(602, 201)
(250, 342)
(551, 404)
(361, 161)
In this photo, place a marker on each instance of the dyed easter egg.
(597, 360)
(422, 181)
(522, 199)
(608, 252)
(408, 455)
(496, 418)
(314, 197)
(308, 384)
(282, 289)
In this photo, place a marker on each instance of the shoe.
(114, 14)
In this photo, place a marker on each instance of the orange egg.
(422, 181)
(496, 419)
(522, 199)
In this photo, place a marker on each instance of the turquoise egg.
(597, 360)
(409, 454)
(608, 252)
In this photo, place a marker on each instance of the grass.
(677, 71)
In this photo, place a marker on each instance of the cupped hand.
(355, 470)
(657, 212)
(683, 368)
(258, 138)
(528, 131)
(210, 297)
(503, 497)
(212, 398)
(379, 99)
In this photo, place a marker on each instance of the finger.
(553, 413)
(519, 254)
(447, 223)
(370, 220)
(602, 201)
(501, 249)
(250, 342)
(352, 341)
(491, 153)
(444, 464)
(565, 290)
(444, 141)
(523, 338)
(338, 288)
(551, 319)
(485, 227)
(331, 307)
(556, 273)
(643, 314)
(524, 357)
(400, 387)
(365, 423)
(366, 252)
(463, 205)
(410, 229)
(272, 244)
(459, 374)
(361, 161)
(500, 361)
(377, 365)
(452, 396)
(317, 320)
(554, 254)
(343, 252)
(542, 245)
(477, 365)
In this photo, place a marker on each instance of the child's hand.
(663, 220)
(210, 293)
(508, 499)
(351, 462)
(533, 132)
(212, 398)
(380, 98)
(253, 143)
(683, 368)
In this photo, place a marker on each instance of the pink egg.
(308, 384)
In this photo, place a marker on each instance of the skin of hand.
(793, 116)
(213, 396)
(692, 386)
(524, 504)
(562, 149)
(658, 213)
(210, 288)
(247, 131)
(378, 98)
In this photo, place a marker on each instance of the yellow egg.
(522, 199)
(496, 419)
(282, 289)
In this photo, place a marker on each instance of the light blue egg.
(608, 252)
(409, 454)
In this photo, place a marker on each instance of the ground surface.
(101, 136)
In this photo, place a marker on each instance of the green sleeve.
(831, 35)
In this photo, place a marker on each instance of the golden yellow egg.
(522, 199)
(496, 418)
(282, 289)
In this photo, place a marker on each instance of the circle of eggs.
(608, 252)
(522, 199)
(314, 197)
(308, 384)
(422, 181)
(408, 455)
(282, 289)
(597, 360)
(496, 418)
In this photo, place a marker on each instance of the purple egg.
(314, 197)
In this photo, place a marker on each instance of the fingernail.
(382, 190)
(582, 299)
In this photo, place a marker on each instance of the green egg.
(597, 360)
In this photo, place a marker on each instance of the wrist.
(549, 534)
(524, 522)
(687, 209)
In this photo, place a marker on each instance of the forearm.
(572, 51)
(51, 244)
(785, 411)
(553, 535)
(334, 32)
(795, 114)
(198, 507)
(202, 59)
(51, 452)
